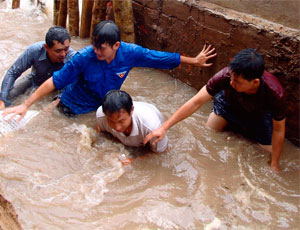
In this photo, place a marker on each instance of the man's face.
(242, 85)
(106, 52)
(120, 121)
(58, 51)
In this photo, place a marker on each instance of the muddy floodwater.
(60, 175)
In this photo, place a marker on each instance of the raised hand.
(206, 53)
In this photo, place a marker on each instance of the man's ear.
(256, 82)
(46, 47)
(116, 45)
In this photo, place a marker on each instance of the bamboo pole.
(124, 19)
(56, 11)
(15, 4)
(86, 17)
(73, 12)
(98, 13)
(63, 11)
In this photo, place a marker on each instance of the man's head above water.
(106, 40)
(57, 44)
(118, 108)
(247, 68)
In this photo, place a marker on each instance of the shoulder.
(130, 48)
(36, 47)
(71, 53)
(99, 113)
(84, 55)
(273, 84)
(147, 114)
(222, 74)
(219, 81)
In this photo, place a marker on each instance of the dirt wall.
(185, 26)
(285, 12)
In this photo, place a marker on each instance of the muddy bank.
(184, 26)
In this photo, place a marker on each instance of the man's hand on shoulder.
(2, 105)
(159, 134)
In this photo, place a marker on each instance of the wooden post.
(56, 11)
(15, 4)
(73, 11)
(63, 11)
(98, 13)
(86, 17)
(124, 19)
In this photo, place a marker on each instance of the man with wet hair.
(129, 121)
(104, 66)
(43, 57)
(247, 98)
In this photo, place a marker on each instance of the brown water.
(57, 180)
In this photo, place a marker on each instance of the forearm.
(183, 112)
(277, 145)
(47, 87)
(187, 60)
(188, 108)
(277, 141)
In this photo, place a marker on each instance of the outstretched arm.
(47, 87)
(201, 59)
(183, 112)
(277, 142)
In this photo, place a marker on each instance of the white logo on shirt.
(121, 74)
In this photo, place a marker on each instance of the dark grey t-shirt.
(42, 68)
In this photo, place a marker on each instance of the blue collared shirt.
(34, 56)
(88, 79)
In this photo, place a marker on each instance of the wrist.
(27, 103)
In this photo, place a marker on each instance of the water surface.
(60, 175)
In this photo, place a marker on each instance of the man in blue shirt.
(44, 58)
(103, 66)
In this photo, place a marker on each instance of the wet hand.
(16, 110)
(125, 160)
(157, 133)
(206, 54)
(275, 167)
(2, 105)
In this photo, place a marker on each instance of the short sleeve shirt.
(270, 97)
(145, 118)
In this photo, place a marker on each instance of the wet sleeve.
(279, 106)
(70, 72)
(218, 82)
(24, 62)
(155, 59)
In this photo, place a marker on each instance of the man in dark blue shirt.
(44, 58)
(103, 66)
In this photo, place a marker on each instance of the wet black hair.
(106, 32)
(56, 33)
(115, 100)
(248, 63)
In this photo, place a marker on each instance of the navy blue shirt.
(88, 79)
(34, 56)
